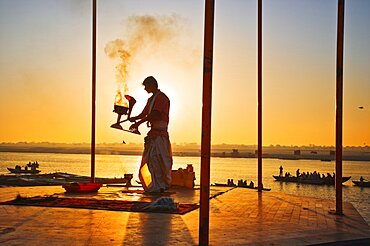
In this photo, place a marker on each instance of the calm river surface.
(221, 170)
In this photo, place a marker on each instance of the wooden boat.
(321, 181)
(286, 179)
(29, 168)
(254, 188)
(18, 170)
(361, 184)
(81, 187)
(248, 187)
(224, 185)
(57, 178)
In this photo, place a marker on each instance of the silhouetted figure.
(361, 179)
(157, 155)
(297, 173)
(281, 171)
(241, 183)
(251, 184)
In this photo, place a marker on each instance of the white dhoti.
(156, 164)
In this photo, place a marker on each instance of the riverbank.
(322, 153)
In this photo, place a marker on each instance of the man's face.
(149, 88)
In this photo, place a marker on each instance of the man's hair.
(151, 81)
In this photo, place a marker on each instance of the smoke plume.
(143, 33)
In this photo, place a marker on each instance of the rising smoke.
(143, 34)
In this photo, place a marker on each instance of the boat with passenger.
(241, 184)
(29, 168)
(308, 178)
(302, 180)
(361, 182)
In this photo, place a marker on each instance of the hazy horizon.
(187, 144)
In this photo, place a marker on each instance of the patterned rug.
(114, 205)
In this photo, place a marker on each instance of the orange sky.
(45, 83)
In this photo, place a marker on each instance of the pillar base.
(333, 211)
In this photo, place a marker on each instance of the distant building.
(235, 153)
(332, 152)
(297, 152)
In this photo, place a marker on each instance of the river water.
(221, 170)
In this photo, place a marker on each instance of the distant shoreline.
(216, 154)
(311, 152)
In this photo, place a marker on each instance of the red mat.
(114, 205)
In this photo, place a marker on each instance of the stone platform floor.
(238, 216)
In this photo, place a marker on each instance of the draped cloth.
(156, 163)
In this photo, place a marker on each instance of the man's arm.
(142, 115)
(154, 115)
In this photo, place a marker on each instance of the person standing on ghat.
(156, 164)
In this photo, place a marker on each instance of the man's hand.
(132, 119)
(134, 126)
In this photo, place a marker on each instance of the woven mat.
(114, 205)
